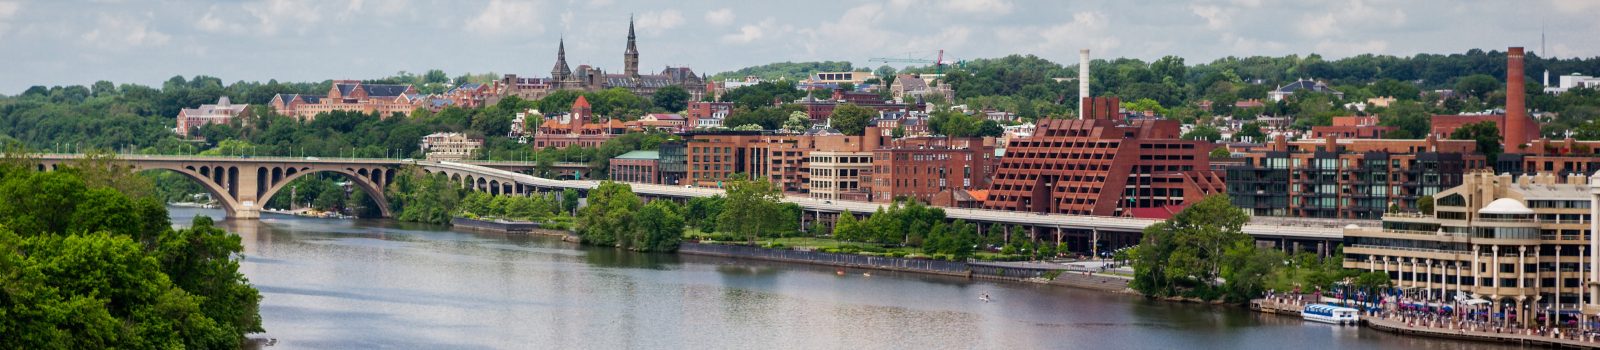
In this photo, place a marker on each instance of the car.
(312, 158)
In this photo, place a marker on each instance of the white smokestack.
(1083, 81)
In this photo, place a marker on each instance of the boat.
(1338, 315)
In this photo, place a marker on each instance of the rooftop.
(650, 155)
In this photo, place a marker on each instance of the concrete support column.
(1522, 263)
(1494, 270)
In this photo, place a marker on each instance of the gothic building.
(588, 78)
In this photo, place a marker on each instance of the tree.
(659, 227)
(751, 207)
(1203, 133)
(702, 212)
(847, 228)
(419, 197)
(851, 119)
(1486, 135)
(798, 122)
(1190, 252)
(1220, 153)
(609, 218)
(1425, 204)
(672, 98)
(1250, 132)
(1478, 85)
(569, 200)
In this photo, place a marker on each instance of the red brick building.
(636, 167)
(1102, 165)
(220, 113)
(576, 128)
(707, 114)
(351, 96)
(783, 159)
(924, 167)
(1353, 127)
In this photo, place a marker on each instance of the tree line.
(91, 261)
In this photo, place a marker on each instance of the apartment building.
(1347, 178)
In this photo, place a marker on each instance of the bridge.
(243, 185)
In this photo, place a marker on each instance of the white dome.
(1505, 206)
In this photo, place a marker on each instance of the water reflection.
(373, 284)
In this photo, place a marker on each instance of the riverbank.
(1041, 273)
(511, 227)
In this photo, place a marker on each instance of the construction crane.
(938, 63)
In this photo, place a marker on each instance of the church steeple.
(561, 72)
(630, 58)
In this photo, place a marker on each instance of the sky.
(68, 42)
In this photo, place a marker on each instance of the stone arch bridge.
(243, 185)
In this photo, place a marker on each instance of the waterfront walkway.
(1405, 325)
(1427, 326)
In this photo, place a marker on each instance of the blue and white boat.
(1338, 315)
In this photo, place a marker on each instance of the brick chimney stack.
(1516, 133)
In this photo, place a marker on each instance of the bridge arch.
(359, 177)
(221, 194)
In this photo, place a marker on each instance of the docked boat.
(1338, 315)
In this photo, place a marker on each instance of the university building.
(220, 113)
(577, 128)
(588, 78)
(1522, 244)
(351, 96)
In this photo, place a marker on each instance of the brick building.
(351, 96)
(1102, 165)
(924, 167)
(577, 128)
(1347, 178)
(1353, 127)
(636, 167)
(220, 113)
(707, 114)
(783, 159)
(1558, 157)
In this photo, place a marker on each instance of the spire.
(630, 57)
(561, 72)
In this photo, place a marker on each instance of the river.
(382, 284)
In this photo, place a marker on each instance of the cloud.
(272, 15)
(8, 9)
(505, 16)
(122, 32)
(1356, 14)
(1576, 6)
(998, 7)
(1216, 17)
(655, 22)
(720, 17)
(748, 33)
(1086, 30)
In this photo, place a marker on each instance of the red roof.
(580, 103)
(1162, 213)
